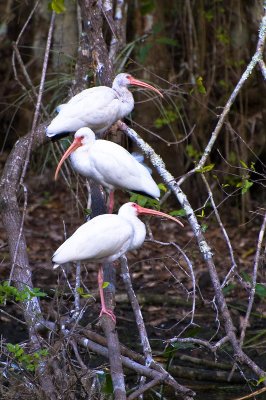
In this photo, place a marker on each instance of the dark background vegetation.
(195, 51)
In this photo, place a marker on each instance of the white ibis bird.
(108, 164)
(97, 108)
(105, 238)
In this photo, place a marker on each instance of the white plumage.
(105, 238)
(97, 108)
(108, 164)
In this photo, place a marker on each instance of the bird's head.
(127, 79)
(82, 137)
(133, 209)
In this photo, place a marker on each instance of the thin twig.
(227, 240)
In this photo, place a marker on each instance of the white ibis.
(97, 108)
(108, 164)
(105, 238)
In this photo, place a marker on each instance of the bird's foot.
(108, 312)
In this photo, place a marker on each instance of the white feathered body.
(97, 108)
(112, 166)
(103, 239)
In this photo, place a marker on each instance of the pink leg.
(104, 310)
(111, 202)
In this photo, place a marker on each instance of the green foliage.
(169, 117)
(144, 201)
(162, 187)
(8, 292)
(57, 5)
(192, 152)
(27, 361)
(105, 285)
(207, 168)
(208, 15)
(222, 36)
(178, 213)
(200, 86)
(260, 289)
(84, 295)
(261, 380)
(87, 211)
(204, 228)
(228, 288)
(105, 382)
(245, 184)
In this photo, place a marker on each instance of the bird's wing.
(97, 239)
(89, 100)
(121, 169)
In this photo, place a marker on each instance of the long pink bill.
(136, 82)
(143, 210)
(76, 143)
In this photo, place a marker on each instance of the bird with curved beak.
(97, 108)
(105, 238)
(108, 164)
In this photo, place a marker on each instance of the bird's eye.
(81, 137)
(134, 205)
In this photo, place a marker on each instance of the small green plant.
(192, 152)
(178, 213)
(84, 295)
(27, 361)
(144, 201)
(57, 5)
(200, 86)
(8, 292)
(105, 382)
(169, 117)
(206, 168)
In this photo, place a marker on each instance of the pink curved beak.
(143, 210)
(76, 143)
(136, 82)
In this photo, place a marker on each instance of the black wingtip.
(58, 136)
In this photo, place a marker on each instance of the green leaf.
(183, 346)
(144, 201)
(169, 117)
(228, 288)
(178, 213)
(105, 284)
(107, 386)
(84, 295)
(87, 211)
(207, 168)
(260, 290)
(204, 227)
(58, 6)
(243, 164)
(202, 214)
(246, 184)
(262, 379)
(200, 86)
(162, 187)
(192, 152)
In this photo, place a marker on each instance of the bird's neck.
(139, 232)
(126, 98)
